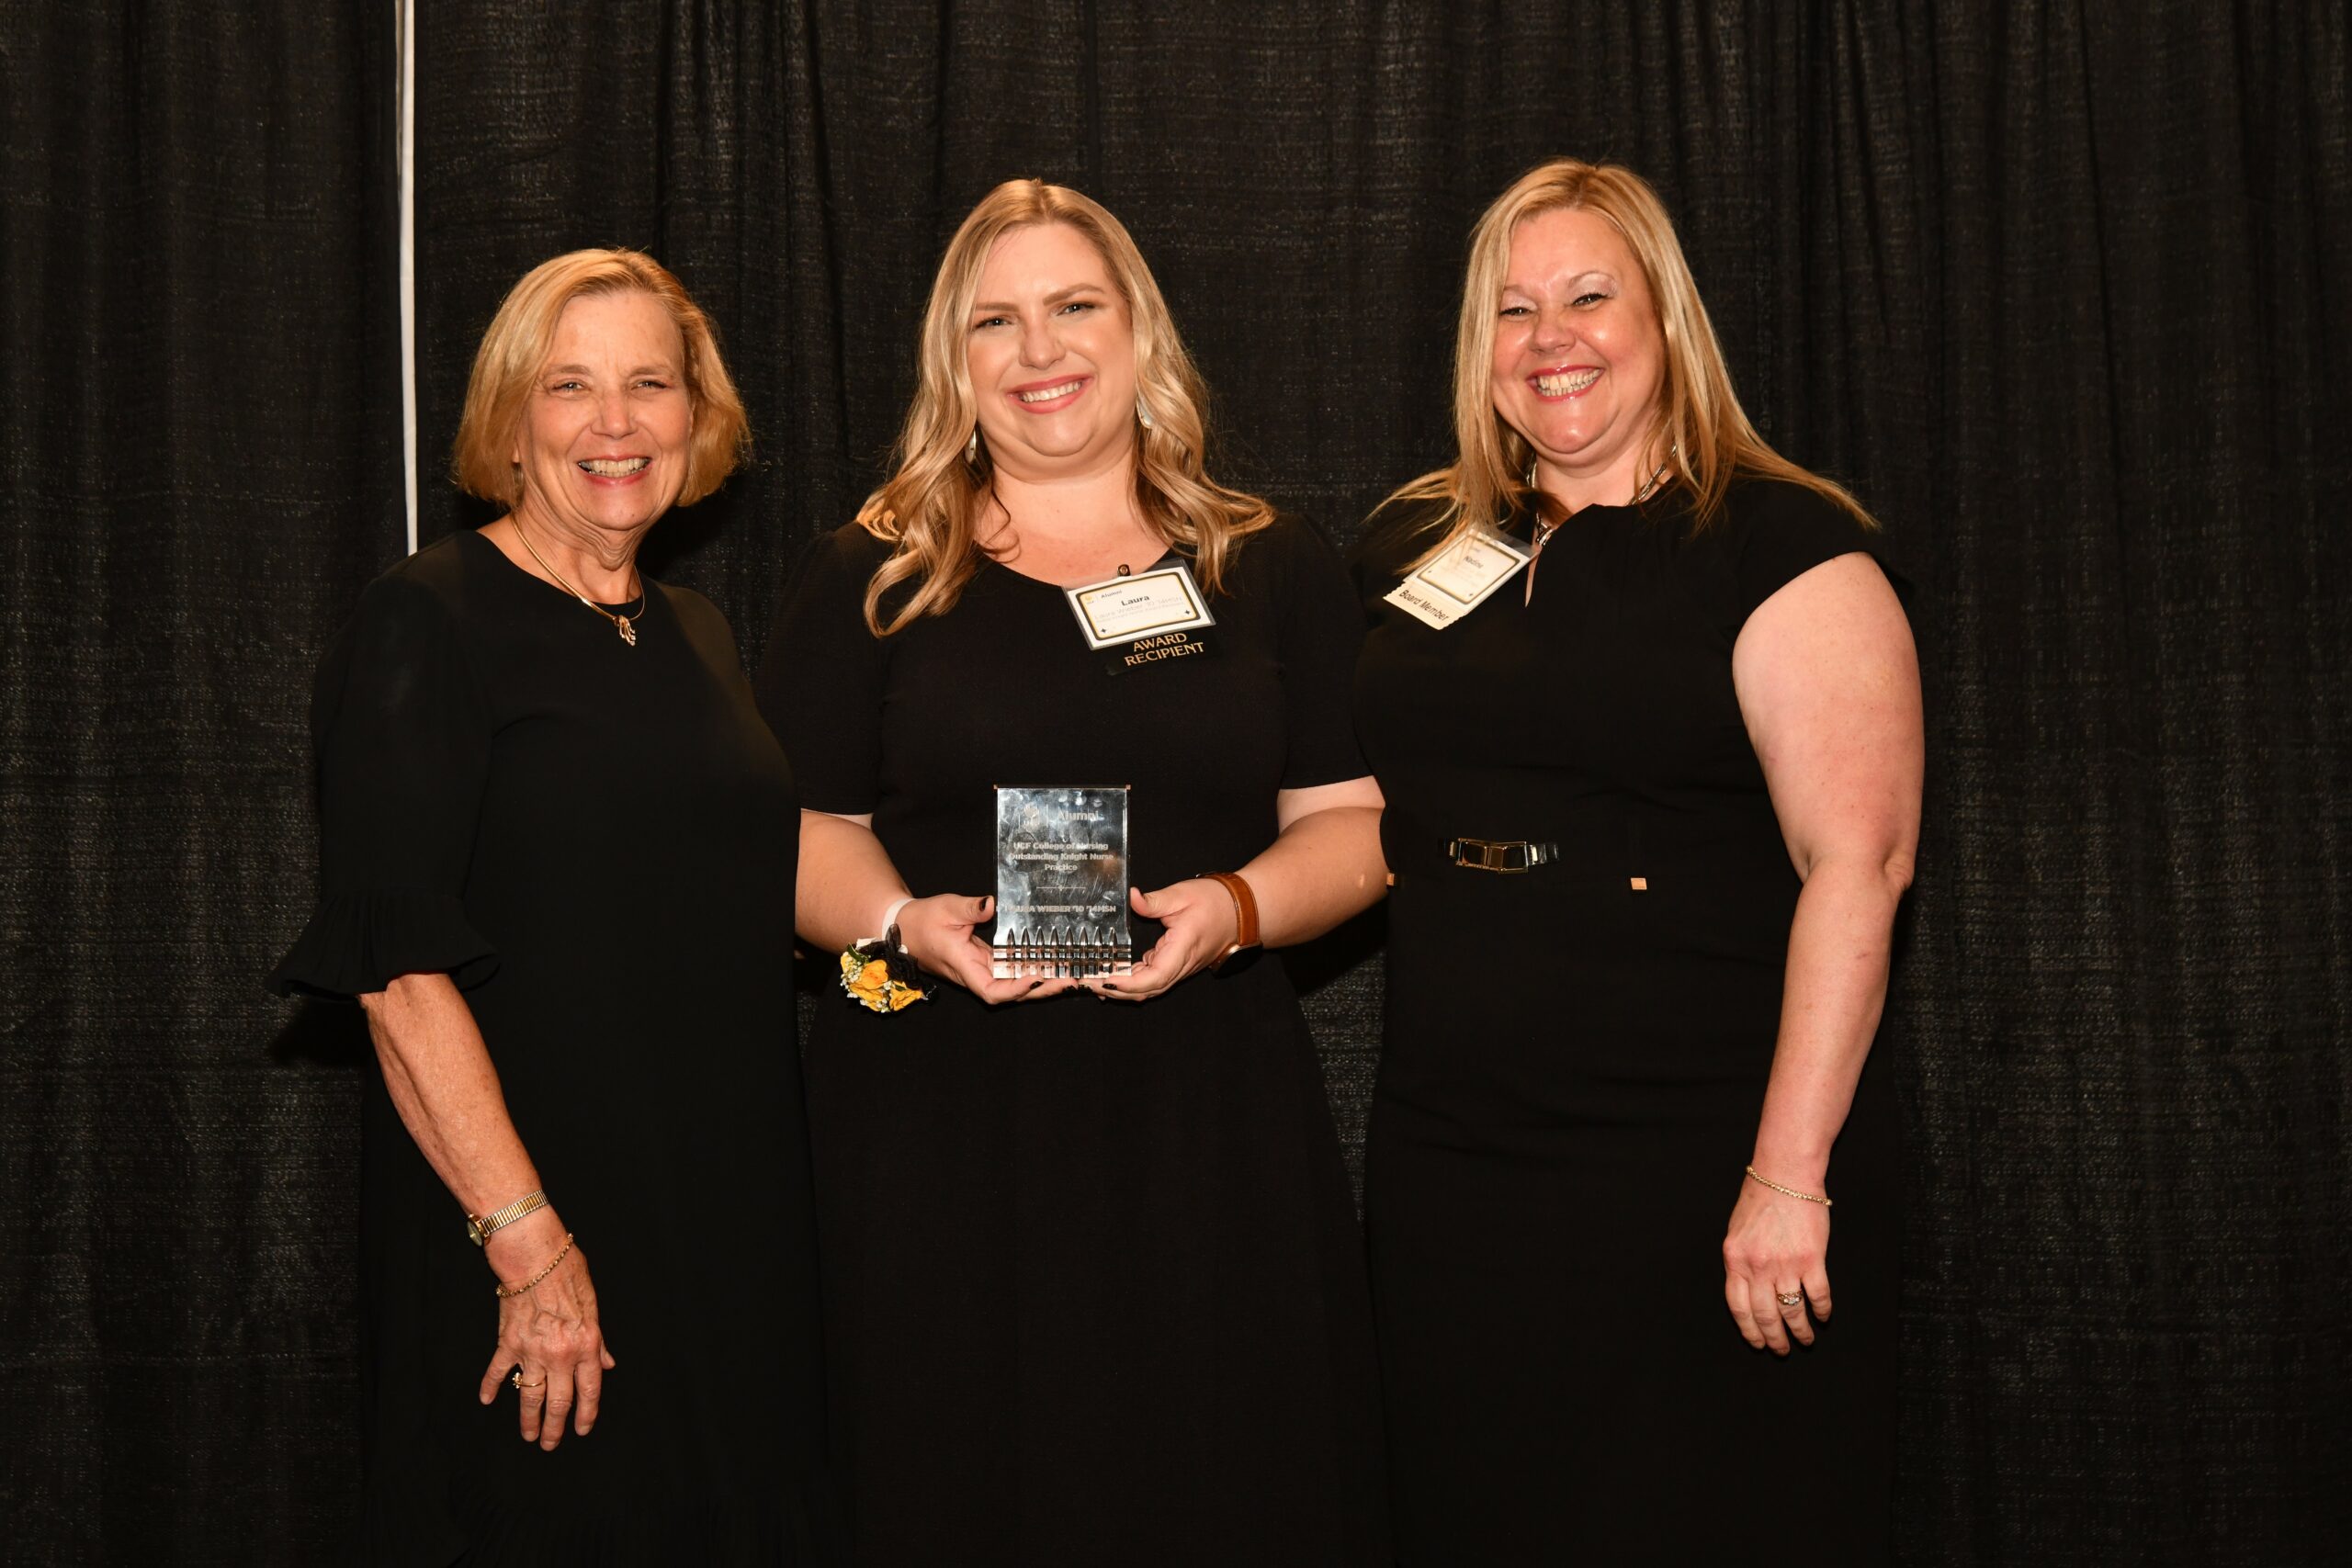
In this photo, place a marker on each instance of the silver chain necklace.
(1543, 531)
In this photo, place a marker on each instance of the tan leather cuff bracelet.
(1245, 911)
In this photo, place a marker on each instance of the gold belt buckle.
(1497, 854)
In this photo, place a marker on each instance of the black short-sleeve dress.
(598, 841)
(1575, 1064)
(1094, 1287)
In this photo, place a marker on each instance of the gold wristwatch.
(480, 1226)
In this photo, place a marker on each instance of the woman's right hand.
(549, 1331)
(937, 934)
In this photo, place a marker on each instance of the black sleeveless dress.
(597, 843)
(1573, 1069)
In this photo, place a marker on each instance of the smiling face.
(1051, 355)
(1579, 358)
(604, 444)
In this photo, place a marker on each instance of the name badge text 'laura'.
(1147, 604)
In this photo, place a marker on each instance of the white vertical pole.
(406, 21)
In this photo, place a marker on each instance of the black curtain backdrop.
(2062, 291)
(202, 385)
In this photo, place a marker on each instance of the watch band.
(479, 1228)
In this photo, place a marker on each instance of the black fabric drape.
(202, 379)
(2060, 289)
(2128, 1001)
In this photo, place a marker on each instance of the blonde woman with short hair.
(1646, 712)
(557, 854)
(1095, 1292)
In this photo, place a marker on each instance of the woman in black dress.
(1652, 805)
(1094, 1289)
(558, 846)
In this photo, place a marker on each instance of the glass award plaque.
(1061, 882)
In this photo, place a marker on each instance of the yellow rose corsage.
(879, 976)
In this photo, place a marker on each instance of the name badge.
(1459, 580)
(1149, 603)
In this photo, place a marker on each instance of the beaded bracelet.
(505, 1289)
(1789, 1192)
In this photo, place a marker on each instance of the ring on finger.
(1790, 1299)
(516, 1379)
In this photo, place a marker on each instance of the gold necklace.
(628, 632)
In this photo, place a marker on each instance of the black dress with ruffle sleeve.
(598, 842)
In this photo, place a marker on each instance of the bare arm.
(846, 885)
(1829, 683)
(846, 881)
(441, 1080)
(1324, 866)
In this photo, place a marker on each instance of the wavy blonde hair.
(517, 343)
(929, 509)
(1702, 435)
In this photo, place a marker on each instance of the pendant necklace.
(1543, 531)
(1125, 569)
(628, 631)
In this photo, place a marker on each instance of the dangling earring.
(972, 447)
(1143, 411)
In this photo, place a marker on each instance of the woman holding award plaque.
(1646, 713)
(1095, 1292)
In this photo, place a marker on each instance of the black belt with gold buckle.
(1506, 855)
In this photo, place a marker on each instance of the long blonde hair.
(1702, 438)
(930, 507)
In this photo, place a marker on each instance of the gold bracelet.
(1789, 1191)
(506, 1291)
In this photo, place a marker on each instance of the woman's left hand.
(550, 1342)
(1776, 1247)
(1200, 924)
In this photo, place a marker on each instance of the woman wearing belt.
(1652, 806)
